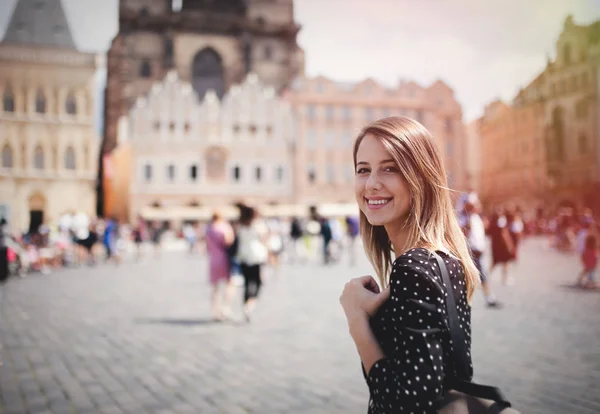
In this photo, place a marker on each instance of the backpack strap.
(459, 349)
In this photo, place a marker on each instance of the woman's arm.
(409, 374)
(366, 343)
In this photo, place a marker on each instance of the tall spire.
(39, 23)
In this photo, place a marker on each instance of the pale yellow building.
(329, 115)
(47, 140)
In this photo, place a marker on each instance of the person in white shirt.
(474, 229)
(252, 254)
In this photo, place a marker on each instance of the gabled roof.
(39, 23)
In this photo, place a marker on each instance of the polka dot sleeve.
(411, 324)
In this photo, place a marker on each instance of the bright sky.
(484, 49)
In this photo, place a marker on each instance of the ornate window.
(70, 104)
(279, 174)
(40, 102)
(207, 73)
(145, 69)
(38, 158)
(7, 157)
(8, 100)
(567, 54)
(70, 158)
(237, 173)
(258, 174)
(312, 174)
(194, 172)
(268, 53)
(171, 172)
(148, 173)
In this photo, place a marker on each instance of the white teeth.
(377, 201)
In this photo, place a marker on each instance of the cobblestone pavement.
(137, 339)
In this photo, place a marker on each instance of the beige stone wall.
(329, 115)
(54, 135)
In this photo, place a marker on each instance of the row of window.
(347, 171)
(251, 129)
(8, 102)
(193, 173)
(370, 113)
(328, 139)
(39, 159)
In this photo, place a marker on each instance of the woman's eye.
(390, 169)
(362, 171)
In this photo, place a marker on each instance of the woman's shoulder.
(422, 265)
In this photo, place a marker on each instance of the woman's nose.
(373, 182)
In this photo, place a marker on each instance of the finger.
(383, 297)
(366, 280)
(370, 284)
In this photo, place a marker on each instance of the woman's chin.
(375, 219)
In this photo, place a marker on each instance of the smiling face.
(381, 191)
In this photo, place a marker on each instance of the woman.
(219, 236)
(252, 254)
(400, 329)
(502, 244)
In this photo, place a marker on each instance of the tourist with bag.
(412, 327)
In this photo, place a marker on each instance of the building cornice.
(59, 57)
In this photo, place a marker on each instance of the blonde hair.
(432, 221)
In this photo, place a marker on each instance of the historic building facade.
(211, 45)
(47, 140)
(329, 115)
(179, 158)
(544, 149)
(513, 154)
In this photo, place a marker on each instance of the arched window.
(71, 104)
(40, 102)
(145, 69)
(38, 158)
(8, 100)
(7, 157)
(70, 158)
(207, 73)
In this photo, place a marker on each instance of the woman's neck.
(398, 236)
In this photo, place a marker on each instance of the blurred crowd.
(76, 239)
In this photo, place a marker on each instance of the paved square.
(137, 339)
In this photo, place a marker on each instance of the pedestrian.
(296, 233)
(474, 229)
(252, 254)
(352, 229)
(400, 325)
(589, 259)
(219, 237)
(327, 235)
(516, 229)
(502, 244)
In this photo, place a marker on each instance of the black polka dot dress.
(412, 329)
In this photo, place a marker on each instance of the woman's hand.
(361, 298)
